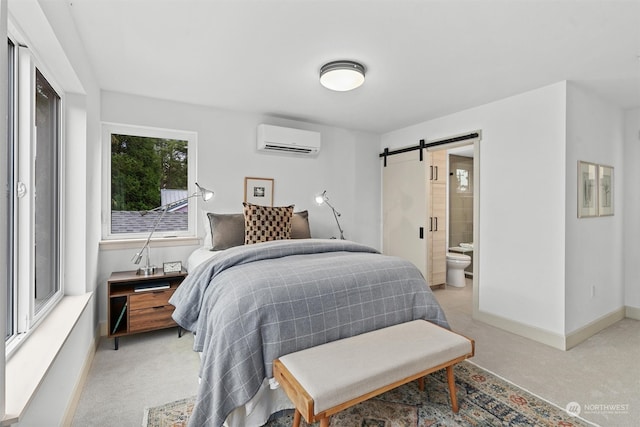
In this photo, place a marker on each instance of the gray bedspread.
(252, 304)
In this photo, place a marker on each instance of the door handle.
(430, 223)
(431, 173)
(436, 168)
(422, 232)
(436, 221)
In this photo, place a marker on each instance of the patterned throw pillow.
(265, 223)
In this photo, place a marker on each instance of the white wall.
(52, 402)
(49, 27)
(631, 211)
(83, 154)
(594, 257)
(82, 134)
(346, 167)
(522, 201)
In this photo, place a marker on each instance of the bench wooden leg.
(452, 388)
(296, 418)
(324, 422)
(421, 383)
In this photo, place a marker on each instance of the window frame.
(11, 311)
(109, 128)
(21, 137)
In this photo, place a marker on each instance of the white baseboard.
(75, 398)
(556, 340)
(103, 329)
(540, 335)
(592, 328)
(632, 312)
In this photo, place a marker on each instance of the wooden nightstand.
(137, 303)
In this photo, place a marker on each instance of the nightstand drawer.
(150, 299)
(151, 318)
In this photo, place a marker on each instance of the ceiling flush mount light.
(342, 76)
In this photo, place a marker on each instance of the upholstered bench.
(324, 380)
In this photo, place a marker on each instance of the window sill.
(28, 366)
(155, 243)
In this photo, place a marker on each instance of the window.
(46, 201)
(462, 181)
(34, 173)
(148, 169)
(11, 300)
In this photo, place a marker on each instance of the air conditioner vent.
(287, 148)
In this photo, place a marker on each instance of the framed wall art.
(587, 189)
(258, 191)
(605, 190)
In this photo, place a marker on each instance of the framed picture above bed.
(258, 191)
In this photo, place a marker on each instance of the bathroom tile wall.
(460, 201)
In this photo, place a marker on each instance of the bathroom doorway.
(460, 203)
(409, 217)
(462, 217)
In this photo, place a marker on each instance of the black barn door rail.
(422, 145)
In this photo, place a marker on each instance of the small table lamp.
(148, 269)
(322, 199)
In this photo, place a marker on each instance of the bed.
(250, 304)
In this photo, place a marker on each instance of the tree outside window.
(146, 174)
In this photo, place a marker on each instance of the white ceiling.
(424, 59)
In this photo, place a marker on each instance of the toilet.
(456, 263)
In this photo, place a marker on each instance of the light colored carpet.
(601, 374)
(154, 368)
(147, 370)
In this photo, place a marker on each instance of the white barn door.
(404, 208)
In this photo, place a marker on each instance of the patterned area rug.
(484, 400)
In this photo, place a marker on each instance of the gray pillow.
(300, 225)
(227, 230)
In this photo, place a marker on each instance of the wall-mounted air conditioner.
(287, 140)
